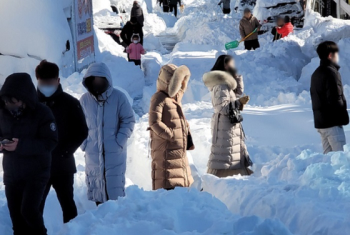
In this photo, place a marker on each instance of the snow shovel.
(235, 44)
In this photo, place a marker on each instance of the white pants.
(333, 139)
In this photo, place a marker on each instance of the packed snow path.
(168, 41)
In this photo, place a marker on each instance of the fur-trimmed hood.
(215, 78)
(172, 79)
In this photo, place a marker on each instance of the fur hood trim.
(215, 78)
(172, 79)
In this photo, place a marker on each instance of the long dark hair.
(221, 62)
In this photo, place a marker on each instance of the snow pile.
(288, 189)
(26, 38)
(102, 8)
(267, 9)
(180, 211)
(270, 3)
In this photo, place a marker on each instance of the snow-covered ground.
(295, 188)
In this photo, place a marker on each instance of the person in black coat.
(328, 101)
(72, 131)
(28, 133)
(136, 11)
(130, 28)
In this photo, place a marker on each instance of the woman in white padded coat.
(229, 155)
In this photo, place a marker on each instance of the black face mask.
(98, 90)
(15, 111)
(232, 71)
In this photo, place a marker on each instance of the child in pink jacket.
(135, 50)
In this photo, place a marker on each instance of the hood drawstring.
(101, 102)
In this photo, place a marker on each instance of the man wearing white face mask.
(72, 131)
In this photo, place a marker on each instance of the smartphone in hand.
(4, 142)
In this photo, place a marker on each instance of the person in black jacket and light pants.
(328, 100)
(72, 131)
(28, 133)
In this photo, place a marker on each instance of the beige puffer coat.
(169, 130)
(228, 151)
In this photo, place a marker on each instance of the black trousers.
(63, 185)
(165, 8)
(173, 8)
(252, 44)
(23, 200)
(137, 62)
(226, 10)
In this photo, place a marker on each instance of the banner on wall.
(84, 33)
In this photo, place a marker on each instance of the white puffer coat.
(110, 124)
(228, 149)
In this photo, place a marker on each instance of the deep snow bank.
(26, 38)
(180, 211)
(309, 192)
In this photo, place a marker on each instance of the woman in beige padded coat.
(229, 155)
(169, 130)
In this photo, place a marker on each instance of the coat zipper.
(103, 150)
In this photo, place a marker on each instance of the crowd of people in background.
(249, 28)
(41, 129)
